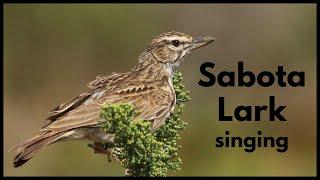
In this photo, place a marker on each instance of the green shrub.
(141, 152)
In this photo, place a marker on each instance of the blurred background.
(52, 51)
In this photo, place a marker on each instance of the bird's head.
(171, 47)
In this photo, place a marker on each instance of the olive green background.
(52, 51)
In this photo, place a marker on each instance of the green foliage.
(141, 152)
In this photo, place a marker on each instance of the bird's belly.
(93, 134)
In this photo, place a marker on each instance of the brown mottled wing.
(150, 102)
(155, 105)
(95, 87)
(84, 115)
(66, 107)
(112, 80)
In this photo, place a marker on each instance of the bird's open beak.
(201, 41)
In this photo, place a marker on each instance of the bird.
(148, 87)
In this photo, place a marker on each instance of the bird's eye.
(176, 43)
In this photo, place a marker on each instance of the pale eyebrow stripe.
(179, 38)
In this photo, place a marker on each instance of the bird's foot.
(100, 148)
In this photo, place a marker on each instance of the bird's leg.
(99, 148)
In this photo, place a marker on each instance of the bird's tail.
(27, 149)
